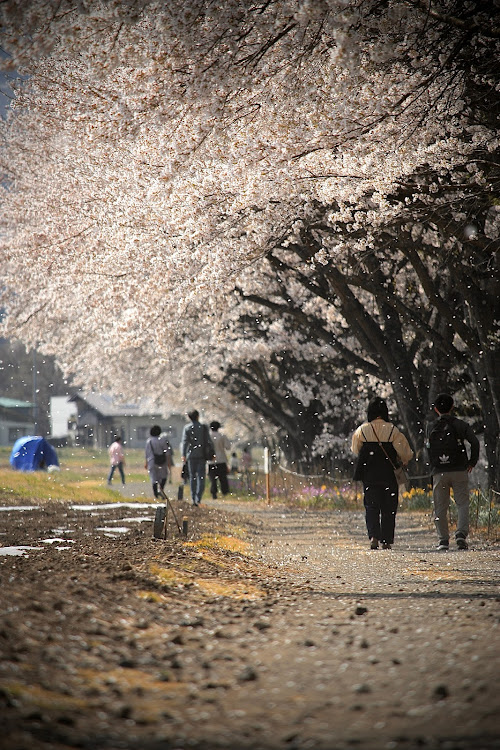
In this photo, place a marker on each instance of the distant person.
(380, 447)
(158, 459)
(196, 449)
(246, 465)
(450, 468)
(117, 458)
(218, 468)
(170, 459)
(235, 464)
(246, 459)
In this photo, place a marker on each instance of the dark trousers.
(218, 471)
(196, 478)
(120, 469)
(381, 505)
(161, 484)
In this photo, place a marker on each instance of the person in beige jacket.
(380, 446)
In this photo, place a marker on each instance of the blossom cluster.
(155, 153)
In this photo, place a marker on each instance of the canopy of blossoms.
(154, 151)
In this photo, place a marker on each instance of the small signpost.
(161, 518)
(267, 463)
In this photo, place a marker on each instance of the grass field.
(83, 474)
(82, 477)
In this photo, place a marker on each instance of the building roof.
(108, 406)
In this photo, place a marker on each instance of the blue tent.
(31, 453)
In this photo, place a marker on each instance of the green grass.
(83, 474)
(81, 479)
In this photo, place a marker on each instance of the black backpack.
(376, 463)
(446, 449)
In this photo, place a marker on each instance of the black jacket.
(464, 432)
(375, 464)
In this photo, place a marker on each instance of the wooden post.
(266, 472)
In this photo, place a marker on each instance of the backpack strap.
(382, 446)
(373, 428)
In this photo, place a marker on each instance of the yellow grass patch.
(170, 576)
(214, 541)
(81, 479)
(40, 487)
(130, 679)
(209, 586)
(230, 589)
(148, 697)
(89, 484)
(39, 696)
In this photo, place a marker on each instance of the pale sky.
(5, 90)
(5, 93)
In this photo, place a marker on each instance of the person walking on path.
(450, 467)
(196, 449)
(218, 469)
(380, 447)
(246, 466)
(170, 460)
(235, 464)
(158, 459)
(117, 458)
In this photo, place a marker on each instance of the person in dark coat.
(158, 459)
(218, 468)
(379, 446)
(196, 449)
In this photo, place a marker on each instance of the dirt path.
(303, 639)
(401, 646)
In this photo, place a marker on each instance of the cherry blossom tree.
(413, 319)
(296, 382)
(157, 150)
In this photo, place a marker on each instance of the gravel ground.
(297, 637)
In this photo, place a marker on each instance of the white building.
(61, 412)
(100, 417)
